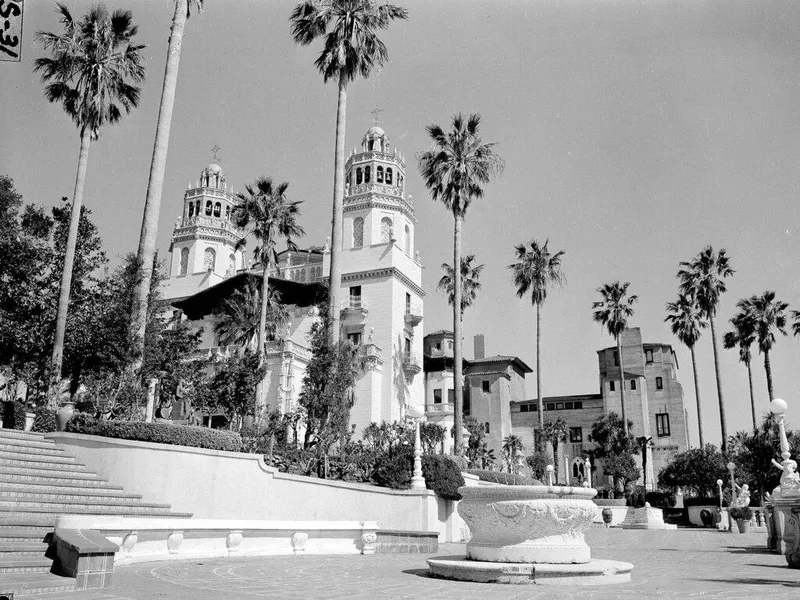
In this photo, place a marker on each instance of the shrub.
(394, 470)
(160, 433)
(741, 514)
(695, 470)
(442, 476)
(503, 478)
(661, 499)
(710, 501)
(636, 498)
(14, 415)
(45, 420)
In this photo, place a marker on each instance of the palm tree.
(686, 322)
(743, 337)
(241, 315)
(535, 271)
(152, 203)
(612, 312)
(91, 71)
(554, 432)
(352, 47)
(512, 447)
(455, 168)
(767, 315)
(703, 278)
(470, 282)
(272, 215)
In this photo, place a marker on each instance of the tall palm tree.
(455, 168)
(703, 278)
(470, 282)
(554, 432)
(351, 48)
(535, 271)
(92, 72)
(686, 324)
(155, 182)
(612, 312)
(512, 447)
(767, 315)
(743, 336)
(241, 316)
(272, 215)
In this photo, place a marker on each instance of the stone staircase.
(38, 482)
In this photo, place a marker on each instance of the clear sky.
(634, 134)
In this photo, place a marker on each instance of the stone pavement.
(686, 563)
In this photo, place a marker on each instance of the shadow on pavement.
(757, 581)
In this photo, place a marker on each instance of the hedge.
(159, 433)
(441, 474)
(44, 421)
(503, 478)
(700, 501)
(13, 415)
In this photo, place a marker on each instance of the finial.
(215, 153)
(375, 112)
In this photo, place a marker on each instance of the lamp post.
(778, 408)
(731, 468)
(567, 474)
(719, 487)
(588, 473)
(550, 470)
(417, 480)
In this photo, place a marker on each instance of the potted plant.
(742, 517)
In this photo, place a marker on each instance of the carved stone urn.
(528, 523)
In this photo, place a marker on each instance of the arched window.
(486, 427)
(184, 261)
(366, 174)
(358, 232)
(209, 207)
(372, 144)
(232, 264)
(228, 213)
(197, 208)
(209, 259)
(350, 178)
(191, 209)
(386, 230)
(408, 240)
(303, 275)
(379, 175)
(319, 272)
(358, 176)
(217, 209)
(389, 176)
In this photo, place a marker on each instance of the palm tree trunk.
(622, 386)
(697, 399)
(57, 356)
(768, 371)
(722, 425)
(152, 204)
(752, 396)
(458, 381)
(336, 223)
(539, 370)
(262, 327)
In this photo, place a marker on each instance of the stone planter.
(608, 516)
(29, 418)
(743, 525)
(528, 524)
(63, 415)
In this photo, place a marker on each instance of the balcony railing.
(413, 314)
(411, 364)
(355, 304)
(439, 407)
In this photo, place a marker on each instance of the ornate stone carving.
(233, 541)
(299, 540)
(368, 540)
(129, 542)
(174, 541)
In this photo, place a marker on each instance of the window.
(231, 264)
(408, 346)
(228, 213)
(559, 406)
(379, 175)
(659, 383)
(485, 386)
(575, 434)
(486, 427)
(389, 176)
(611, 386)
(209, 207)
(217, 209)
(466, 405)
(408, 302)
(534, 408)
(616, 358)
(550, 406)
(633, 384)
(524, 408)
(366, 174)
(408, 240)
(358, 232)
(578, 405)
(354, 338)
(355, 296)
(359, 176)
(449, 344)
(191, 209)
(197, 208)
(386, 230)
(451, 396)
(662, 424)
(438, 345)
(209, 259)
(184, 260)
(648, 356)
(437, 396)
(568, 405)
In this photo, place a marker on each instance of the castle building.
(381, 283)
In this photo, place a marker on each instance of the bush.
(741, 514)
(14, 415)
(710, 501)
(503, 478)
(45, 420)
(696, 471)
(159, 433)
(441, 474)
(636, 498)
(661, 499)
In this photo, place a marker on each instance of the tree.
(455, 168)
(613, 312)
(686, 324)
(535, 271)
(703, 278)
(695, 470)
(470, 282)
(767, 315)
(615, 446)
(155, 182)
(91, 71)
(742, 337)
(235, 382)
(478, 452)
(351, 48)
(241, 314)
(431, 436)
(272, 215)
(553, 432)
(512, 447)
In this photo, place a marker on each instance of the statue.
(790, 479)
(742, 500)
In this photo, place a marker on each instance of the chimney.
(480, 347)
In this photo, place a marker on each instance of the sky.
(634, 134)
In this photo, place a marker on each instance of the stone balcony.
(438, 408)
(354, 306)
(411, 364)
(413, 314)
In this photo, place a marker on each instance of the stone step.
(10, 505)
(66, 492)
(14, 443)
(37, 522)
(73, 471)
(28, 584)
(23, 549)
(21, 457)
(85, 480)
(17, 434)
(26, 534)
(44, 484)
(47, 515)
(24, 564)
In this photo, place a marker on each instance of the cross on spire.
(375, 112)
(215, 153)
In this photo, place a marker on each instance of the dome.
(375, 130)
(213, 168)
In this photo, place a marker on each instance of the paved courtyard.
(686, 563)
